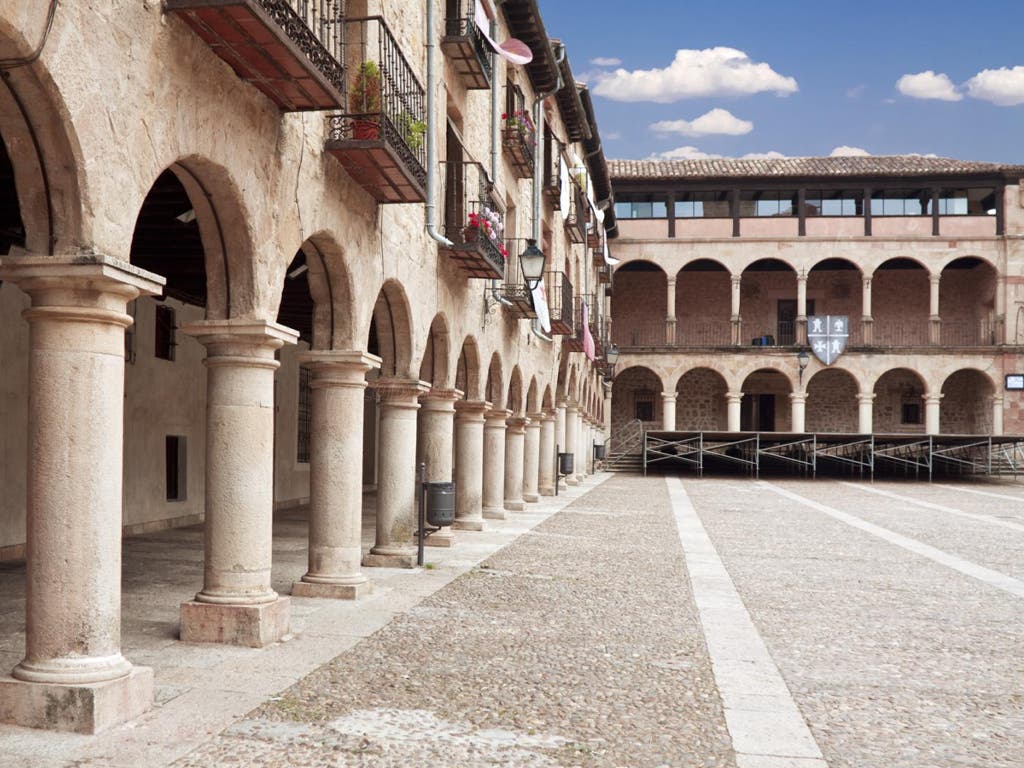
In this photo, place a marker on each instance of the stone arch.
(572, 390)
(967, 302)
(762, 283)
(899, 402)
(548, 401)
(42, 146)
(900, 302)
(766, 406)
(562, 379)
(434, 367)
(320, 262)
(636, 394)
(966, 406)
(703, 304)
(640, 284)
(390, 334)
(494, 392)
(835, 287)
(467, 369)
(532, 404)
(832, 404)
(700, 401)
(514, 399)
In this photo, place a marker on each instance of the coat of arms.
(827, 335)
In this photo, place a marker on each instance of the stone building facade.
(240, 272)
(725, 261)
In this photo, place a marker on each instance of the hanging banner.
(588, 338)
(540, 306)
(564, 189)
(512, 50)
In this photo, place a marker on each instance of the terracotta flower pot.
(365, 130)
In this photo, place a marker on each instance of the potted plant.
(487, 222)
(364, 102)
(412, 130)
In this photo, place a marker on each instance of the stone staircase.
(628, 444)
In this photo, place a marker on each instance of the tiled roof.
(859, 166)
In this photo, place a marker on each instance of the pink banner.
(588, 339)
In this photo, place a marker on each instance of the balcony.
(472, 220)
(515, 290)
(291, 50)
(576, 221)
(575, 343)
(560, 304)
(552, 182)
(604, 274)
(518, 134)
(380, 139)
(465, 46)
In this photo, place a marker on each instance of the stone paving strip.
(767, 729)
(901, 497)
(966, 567)
(895, 660)
(576, 645)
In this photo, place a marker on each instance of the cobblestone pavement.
(893, 658)
(577, 645)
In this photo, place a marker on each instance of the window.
(967, 202)
(900, 202)
(176, 460)
(770, 202)
(644, 406)
(702, 205)
(910, 413)
(641, 209)
(834, 202)
(305, 412)
(164, 341)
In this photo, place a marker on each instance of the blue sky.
(835, 64)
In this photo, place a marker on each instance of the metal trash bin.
(598, 451)
(440, 504)
(566, 463)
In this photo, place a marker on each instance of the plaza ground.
(657, 621)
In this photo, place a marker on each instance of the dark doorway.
(786, 320)
(757, 413)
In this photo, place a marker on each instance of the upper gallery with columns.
(730, 267)
(321, 244)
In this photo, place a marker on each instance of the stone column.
(73, 676)
(934, 318)
(581, 451)
(572, 439)
(237, 604)
(865, 412)
(494, 464)
(801, 308)
(469, 464)
(668, 411)
(515, 449)
(531, 458)
(670, 315)
(335, 474)
(733, 410)
(997, 414)
(397, 481)
(737, 323)
(798, 401)
(546, 467)
(560, 426)
(931, 413)
(867, 320)
(436, 433)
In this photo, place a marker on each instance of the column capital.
(338, 368)
(549, 416)
(798, 397)
(496, 417)
(668, 395)
(801, 277)
(441, 399)
(228, 336)
(865, 280)
(400, 392)
(535, 418)
(736, 279)
(734, 397)
(865, 398)
(516, 424)
(934, 278)
(89, 271)
(471, 410)
(996, 399)
(931, 398)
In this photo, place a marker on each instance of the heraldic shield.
(827, 335)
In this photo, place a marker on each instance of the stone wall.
(966, 407)
(700, 401)
(630, 386)
(831, 403)
(892, 391)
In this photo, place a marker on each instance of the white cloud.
(717, 121)
(612, 136)
(856, 91)
(845, 151)
(1003, 87)
(606, 61)
(770, 155)
(928, 85)
(692, 153)
(695, 74)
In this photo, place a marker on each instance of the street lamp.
(802, 358)
(612, 355)
(531, 261)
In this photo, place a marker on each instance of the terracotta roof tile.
(860, 166)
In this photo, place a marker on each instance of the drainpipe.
(431, 204)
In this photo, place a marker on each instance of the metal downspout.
(431, 204)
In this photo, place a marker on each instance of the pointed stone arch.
(494, 391)
(467, 370)
(514, 400)
(435, 366)
(532, 403)
(391, 333)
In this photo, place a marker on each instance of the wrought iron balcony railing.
(576, 221)
(552, 184)
(472, 221)
(514, 290)
(560, 306)
(291, 50)
(381, 137)
(465, 46)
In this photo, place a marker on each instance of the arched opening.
(514, 399)
(966, 406)
(835, 287)
(639, 305)
(531, 397)
(899, 403)
(832, 402)
(390, 332)
(700, 401)
(548, 401)
(467, 370)
(703, 304)
(434, 366)
(12, 228)
(900, 303)
(768, 303)
(636, 397)
(967, 303)
(765, 406)
(494, 390)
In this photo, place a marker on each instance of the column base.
(87, 708)
(547, 491)
(332, 591)
(470, 524)
(515, 506)
(531, 498)
(254, 626)
(443, 538)
(571, 481)
(495, 513)
(398, 559)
